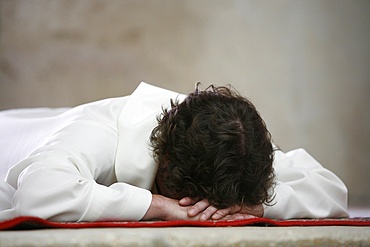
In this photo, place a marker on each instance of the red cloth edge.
(29, 222)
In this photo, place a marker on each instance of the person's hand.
(201, 208)
(238, 212)
(164, 208)
(206, 211)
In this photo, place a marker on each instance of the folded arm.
(71, 178)
(305, 189)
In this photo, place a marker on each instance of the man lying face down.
(214, 147)
(158, 155)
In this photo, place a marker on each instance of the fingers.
(205, 211)
(198, 207)
(187, 201)
(226, 211)
(219, 214)
(202, 207)
(256, 210)
(238, 216)
(208, 213)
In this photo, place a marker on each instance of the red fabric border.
(28, 222)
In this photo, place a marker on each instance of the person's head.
(214, 145)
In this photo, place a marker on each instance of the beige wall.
(306, 64)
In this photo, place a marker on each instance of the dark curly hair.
(215, 145)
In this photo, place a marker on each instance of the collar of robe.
(134, 162)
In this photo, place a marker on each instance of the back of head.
(215, 145)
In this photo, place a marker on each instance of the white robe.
(93, 162)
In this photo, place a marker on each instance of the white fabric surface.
(92, 162)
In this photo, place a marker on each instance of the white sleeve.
(68, 179)
(305, 189)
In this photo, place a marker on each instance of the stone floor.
(191, 236)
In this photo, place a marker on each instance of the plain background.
(305, 64)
